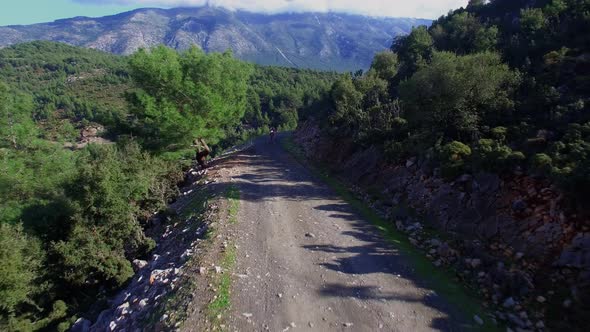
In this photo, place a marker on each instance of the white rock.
(478, 320)
(509, 303)
(81, 325)
(348, 324)
(123, 309)
(139, 264)
(247, 314)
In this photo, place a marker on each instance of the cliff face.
(516, 229)
(310, 40)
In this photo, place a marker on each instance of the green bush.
(493, 156)
(453, 158)
(499, 133)
(542, 163)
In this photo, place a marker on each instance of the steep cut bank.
(511, 236)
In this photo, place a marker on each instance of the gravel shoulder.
(307, 261)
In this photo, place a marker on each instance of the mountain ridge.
(329, 41)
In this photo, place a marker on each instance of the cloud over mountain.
(393, 8)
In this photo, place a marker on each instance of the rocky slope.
(511, 236)
(313, 40)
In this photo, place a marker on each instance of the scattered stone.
(465, 178)
(247, 314)
(444, 250)
(540, 325)
(310, 324)
(202, 270)
(310, 235)
(218, 269)
(292, 324)
(280, 295)
(475, 263)
(518, 255)
(478, 320)
(143, 303)
(112, 326)
(541, 299)
(519, 205)
(123, 309)
(516, 320)
(509, 303)
(567, 303)
(348, 324)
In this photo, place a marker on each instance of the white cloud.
(396, 8)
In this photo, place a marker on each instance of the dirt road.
(307, 262)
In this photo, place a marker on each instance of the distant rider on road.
(273, 133)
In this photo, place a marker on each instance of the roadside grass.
(222, 302)
(233, 197)
(217, 309)
(441, 280)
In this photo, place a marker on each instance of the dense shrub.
(491, 155)
(453, 158)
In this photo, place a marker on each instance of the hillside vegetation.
(72, 219)
(500, 86)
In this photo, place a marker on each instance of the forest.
(73, 216)
(500, 86)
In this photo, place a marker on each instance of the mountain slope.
(313, 40)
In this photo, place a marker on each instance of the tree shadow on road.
(274, 175)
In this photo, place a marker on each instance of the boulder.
(139, 264)
(81, 325)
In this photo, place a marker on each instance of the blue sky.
(34, 11)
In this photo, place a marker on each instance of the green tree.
(347, 112)
(463, 33)
(17, 128)
(187, 95)
(386, 65)
(414, 49)
(21, 259)
(450, 97)
(532, 20)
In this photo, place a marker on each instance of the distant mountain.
(311, 40)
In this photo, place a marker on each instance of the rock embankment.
(142, 305)
(511, 236)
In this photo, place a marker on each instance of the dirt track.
(307, 262)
